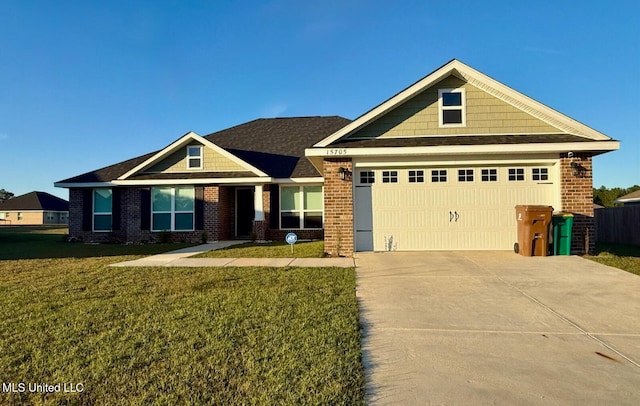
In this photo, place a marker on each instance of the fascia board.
(182, 141)
(317, 179)
(151, 182)
(465, 149)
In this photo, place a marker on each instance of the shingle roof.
(274, 145)
(629, 197)
(458, 140)
(35, 201)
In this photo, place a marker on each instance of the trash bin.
(562, 226)
(533, 230)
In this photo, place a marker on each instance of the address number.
(337, 151)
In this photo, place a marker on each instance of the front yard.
(626, 257)
(178, 335)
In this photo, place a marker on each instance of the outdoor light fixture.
(344, 173)
(578, 170)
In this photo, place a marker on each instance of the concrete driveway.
(467, 328)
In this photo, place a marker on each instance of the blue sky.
(85, 84)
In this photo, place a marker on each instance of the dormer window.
(194, 157)
(451, 105)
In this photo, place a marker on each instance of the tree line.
(605, 196)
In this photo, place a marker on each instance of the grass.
(179, 335)
(309, 249)
(625, 257)
(48, 242)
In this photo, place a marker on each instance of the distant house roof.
(274, 145)
(633, 197)
(35, 201)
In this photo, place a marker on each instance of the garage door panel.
(450, 215)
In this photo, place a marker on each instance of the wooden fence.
(618, 224)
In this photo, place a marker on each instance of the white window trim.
(302, 210)
(100, 213)
(466, 175)
(173, 211)
(201, 158)
(442, 108)
(418, 173)
(542, 171)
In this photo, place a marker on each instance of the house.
(34, 208)
(630, 199)
(438, 166)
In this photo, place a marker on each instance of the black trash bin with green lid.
(562, 226)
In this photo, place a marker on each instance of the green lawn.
(626, 257)
(48, 242)
(308, 249)
(179, 335)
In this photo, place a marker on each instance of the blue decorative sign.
(291, 238)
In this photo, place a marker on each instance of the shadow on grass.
(49, 242)
(621, 250)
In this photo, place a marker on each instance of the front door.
(244, 212)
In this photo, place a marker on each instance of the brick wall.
(338, 208)
(576, 195)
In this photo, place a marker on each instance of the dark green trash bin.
(562, 225)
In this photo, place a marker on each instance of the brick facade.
(338, 207)
(576, 196)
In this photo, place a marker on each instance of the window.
(367, 177)
(416, 176)
(19, 216)
(102, 209)
(465, 175)
(389, 176)
(516, 174)
(439, 175)
(301, 207)
(194, 157)
(172, 209)
(451, 103)
(489, 175)
(540, 173)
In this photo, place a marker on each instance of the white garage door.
(455, 208)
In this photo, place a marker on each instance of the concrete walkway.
(182, 258)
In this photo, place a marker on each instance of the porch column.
(258, 207)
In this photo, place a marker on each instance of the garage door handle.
(450, 216)
(457, 216)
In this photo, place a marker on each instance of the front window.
(102, 209)
(301, 207)
(172, 208)
(451, 103)
(194, 157)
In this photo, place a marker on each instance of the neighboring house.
(630, 199)
(35, 208)
(438, 166)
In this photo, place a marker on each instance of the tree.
(4, 195)
(605, 196)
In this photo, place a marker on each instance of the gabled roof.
(632, 197)
(35, 201)
(273, 146)
(482, 81)
(181, 142)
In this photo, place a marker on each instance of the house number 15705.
(337, 151)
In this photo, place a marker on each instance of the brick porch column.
(338, 207)
(576, 194)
